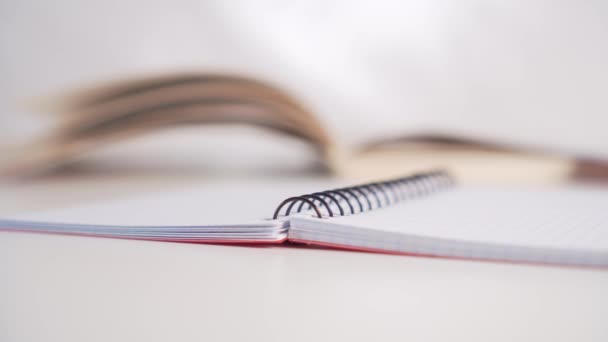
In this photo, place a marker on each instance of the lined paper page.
(482, 222)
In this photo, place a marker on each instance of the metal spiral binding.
(365, 197)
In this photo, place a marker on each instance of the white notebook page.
(228, 210)
(229, 202)
(566, 224)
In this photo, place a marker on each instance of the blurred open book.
(116, 112)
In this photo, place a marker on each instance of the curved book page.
(132, 108)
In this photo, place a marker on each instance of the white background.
(529, 72)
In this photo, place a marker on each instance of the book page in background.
(528, 74)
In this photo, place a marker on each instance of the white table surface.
(61, 288)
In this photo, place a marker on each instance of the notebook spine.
(366, 197)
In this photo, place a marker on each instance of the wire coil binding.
(365, 197)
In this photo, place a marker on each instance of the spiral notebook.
(423, 214)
